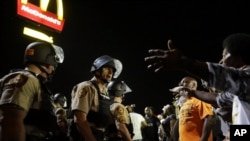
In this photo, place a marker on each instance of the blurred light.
(40, 13)
(60, 9)
(44, 5)
(37, 34)
(24, 1)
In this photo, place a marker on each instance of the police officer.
(122, 128)
(90, 101)
(60, 100)
(61, 112)
(26, 107)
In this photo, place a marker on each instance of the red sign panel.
(35, 13)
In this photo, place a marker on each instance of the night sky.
(126, 30)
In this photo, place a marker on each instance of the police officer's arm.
(12, 115)
(80, 119)
(82, 95)
(12, 124)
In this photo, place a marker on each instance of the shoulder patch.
(18, 81)
(82, 93)
(119, 110)
(122, 119)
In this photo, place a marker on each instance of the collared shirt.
(236, 86)
(22, 89)
(231, 80)
(84, 97)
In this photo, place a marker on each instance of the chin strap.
(98, 75)
(49, 76)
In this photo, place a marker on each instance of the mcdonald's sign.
(40, 14)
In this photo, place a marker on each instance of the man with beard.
(90, 102)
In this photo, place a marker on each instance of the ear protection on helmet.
(118, 88)
(43, 53)
(61, 99)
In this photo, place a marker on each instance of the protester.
(150, 132)
(167, 124)
(138, 122)
(195, 117)
(231, 77)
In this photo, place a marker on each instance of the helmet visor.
(59, 57)
(118, 67)
(128, 89)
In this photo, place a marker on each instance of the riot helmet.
(43, 53)
(60, 99)
(118, 88)
(107, 61)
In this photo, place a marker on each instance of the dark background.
(126, 30)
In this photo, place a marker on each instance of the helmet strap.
(98, 74)
(49, 76)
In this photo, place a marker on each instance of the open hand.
(160, 59)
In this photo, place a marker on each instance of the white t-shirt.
(136, 120)
(241, 111)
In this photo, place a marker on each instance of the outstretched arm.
(202, 95)
(206, 96)
(173, 59)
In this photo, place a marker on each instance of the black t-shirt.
(166, 123)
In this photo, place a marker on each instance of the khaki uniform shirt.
(84, 97)
(23, 90)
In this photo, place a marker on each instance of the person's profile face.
(228, 59)
(107, 73)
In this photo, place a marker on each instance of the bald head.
(189, 82)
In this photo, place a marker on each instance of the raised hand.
(160, 59)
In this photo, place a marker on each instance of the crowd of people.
(29, 111)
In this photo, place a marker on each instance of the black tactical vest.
(103, 117)
(43, 118)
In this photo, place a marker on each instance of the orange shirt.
(191, 120)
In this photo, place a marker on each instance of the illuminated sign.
(40, 14)
(37, 34)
